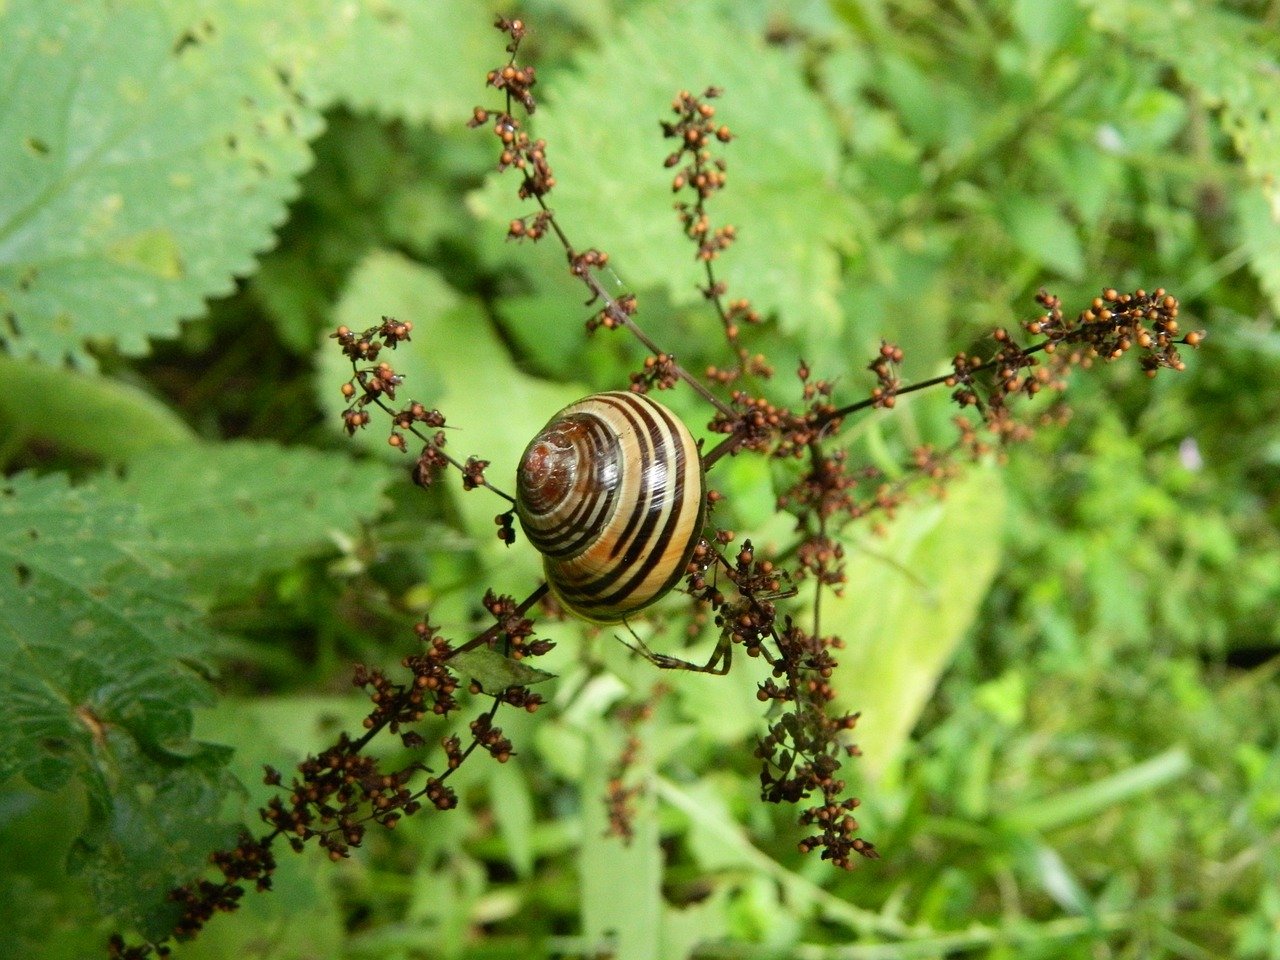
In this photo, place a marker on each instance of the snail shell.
(611, 492)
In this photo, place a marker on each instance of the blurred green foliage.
(1067, 668)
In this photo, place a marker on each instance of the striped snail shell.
(612, 495)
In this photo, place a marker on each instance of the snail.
(611, 493)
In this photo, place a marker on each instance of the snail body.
(611, 493)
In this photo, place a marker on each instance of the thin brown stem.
(621, 318)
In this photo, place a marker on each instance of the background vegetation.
(1067, 669)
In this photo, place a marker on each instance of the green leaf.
(613, 191)
(155, 834)
(147, 151)
(85, 414)
(415, 60)
(1092, 799)
(90, 638)
(935, 112)
(908, 601)
(1040, 231)
(1260, 224)
(512, 802)
(494, 672)
(99, 672)
(228, 513)
(1045, 25)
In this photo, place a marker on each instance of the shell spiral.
(611, 492)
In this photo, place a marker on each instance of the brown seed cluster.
(369, 384)
(432, 678)
(805, 746)
(1112, 326)
(516, 630)
(803, 751)
(823, 490)
(518, 150)
(506, 524)
(516, 81)
(534, 226)
(702, 173)
(491, 738)
(733, 314)
(659, 371)
(250, 860)
(620, 797)
(616, 312)
(822, 558)
(336, 794)
(373, 382)
(885, 367)
(473, 473)
(748, 620)
(705, 591)
(753, 422)
(1109, 328)
(1114, 323)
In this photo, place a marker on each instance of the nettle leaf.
(156, 833)
(90, 637)
(100, 667)
(613, 192)
(228, 513)
(1230, 59)
(415, 60)
(1260, 226)
(147, 151)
